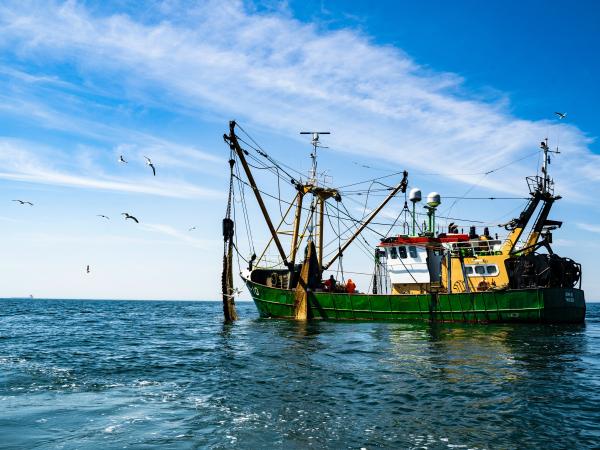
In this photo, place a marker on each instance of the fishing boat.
(421, 274)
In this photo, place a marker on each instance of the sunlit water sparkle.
(108, 374)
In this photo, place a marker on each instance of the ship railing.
(536, 184)
(476, 248)
(271, 262)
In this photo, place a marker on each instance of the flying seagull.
(149, 162)
(129, 216)
(561, 115)
(102, 215)
(22, 202)
(193, 228)
(122, 160)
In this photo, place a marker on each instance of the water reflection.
(187, 380)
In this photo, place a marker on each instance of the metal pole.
(545, 147)
(449, 271)
(414, 217)
(297, 219)
(233, 142)
(321, 201)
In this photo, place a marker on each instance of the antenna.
(547, 181)
(315, 143)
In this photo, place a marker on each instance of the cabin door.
(434, 265)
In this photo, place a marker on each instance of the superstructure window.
(393, 253)
(412, 250)
(482, 270)
(402, 251)
(492, 269)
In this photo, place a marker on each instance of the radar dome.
(415, 195)
(433, 199)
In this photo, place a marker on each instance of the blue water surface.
(129, 374)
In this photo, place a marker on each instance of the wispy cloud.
(8, 219)
(278, 73)
(20, 162)
(40, 112)
(180, 235)
(594, 228)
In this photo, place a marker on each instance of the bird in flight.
(129, 216)
(102, 215)
(193, 228)
(87, 270)
(122, 160)
(561, 115)
(23, 202)
(149, 162)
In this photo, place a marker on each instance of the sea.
(171, 375)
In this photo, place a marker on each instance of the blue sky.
(451, 89)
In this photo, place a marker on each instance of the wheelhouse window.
(412, 251)
(469, 270)
(393, 253)
(402, 251)
(492, 269)
(480, 270)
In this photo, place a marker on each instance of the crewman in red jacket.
(350, 286)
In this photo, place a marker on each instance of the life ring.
(483, 286)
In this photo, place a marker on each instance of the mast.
(320, 195)
(548, 197)
(227, 289)
(321, 202)
(235, 146)
(313, 155)
(541, 190)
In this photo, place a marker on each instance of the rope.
(264, 154)
(438, 174)
(245, 214)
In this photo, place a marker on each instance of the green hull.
(541, 305)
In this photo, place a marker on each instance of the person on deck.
(350, 286)
(330, 284)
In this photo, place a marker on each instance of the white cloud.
(8, 219)
(594, 228)
(278, 73)
(564, 242)
(22, 162)
(37, 111)
(168, 230)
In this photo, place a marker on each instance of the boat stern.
(563, 305)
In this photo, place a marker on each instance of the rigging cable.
(264, 154)
(245, 213)
(439, 174)
(339, 265)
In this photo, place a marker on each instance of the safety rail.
(536, 184)
(476, 248)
